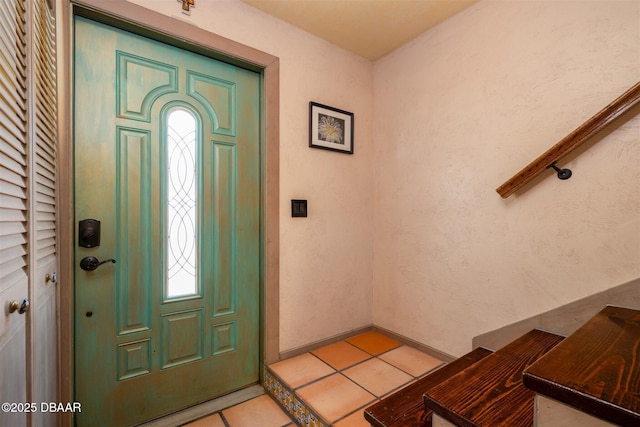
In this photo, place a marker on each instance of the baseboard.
(287, 354)
(445, 357)
(369, 328)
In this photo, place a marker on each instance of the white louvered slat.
(15, 231)
(45, 197)
(11, 240)
(13, 203)
(12, 183)
(13, 272)
(46, 176)
(12, 253)
(10, 145)
(14, 118)
(12, 215)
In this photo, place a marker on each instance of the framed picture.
(330, 128)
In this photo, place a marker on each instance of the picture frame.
(330, 128)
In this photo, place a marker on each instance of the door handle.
(21, 307)
(90, 263)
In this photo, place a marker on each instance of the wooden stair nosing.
(405, 408)
(490, 392)
(596, 369)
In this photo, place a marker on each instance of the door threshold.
(206, 408)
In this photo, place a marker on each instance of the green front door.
(167, 146)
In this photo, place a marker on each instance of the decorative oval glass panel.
(181, 201)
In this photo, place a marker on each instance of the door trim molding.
(193, 38)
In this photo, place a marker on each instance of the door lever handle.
(90, 263)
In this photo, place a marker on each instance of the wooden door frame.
(148, 22)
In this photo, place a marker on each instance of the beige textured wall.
(326, 258)
(455, 113)
(458, 111)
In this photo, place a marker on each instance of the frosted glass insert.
(181, 196)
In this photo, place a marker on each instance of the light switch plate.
(298, 208)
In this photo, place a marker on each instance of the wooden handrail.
(599, 121)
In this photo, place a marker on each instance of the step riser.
(290, 402)
(438, 421)
(551, 413)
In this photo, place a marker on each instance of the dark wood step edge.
(405, 407)
(462, 399)
(596, 369)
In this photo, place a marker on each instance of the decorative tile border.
(288, 400)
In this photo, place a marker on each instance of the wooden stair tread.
(405, 408)
(490, 392)
(597, 368)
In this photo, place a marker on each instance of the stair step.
(405, 408)
(490, 392)
(597, 368)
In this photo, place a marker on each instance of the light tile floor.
(261, 411)
(337, 381)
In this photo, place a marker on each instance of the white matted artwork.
(330, 128)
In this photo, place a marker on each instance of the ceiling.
(369, 28)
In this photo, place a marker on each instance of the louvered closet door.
(43, 342)
(28, 260)
(13, 206)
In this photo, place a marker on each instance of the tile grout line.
(359, 348)
(362, 408)
(335, 371)
(224, 419)
(341, 372)
(413, 379)
(317, 379)
(376, 398)
(312, 411)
